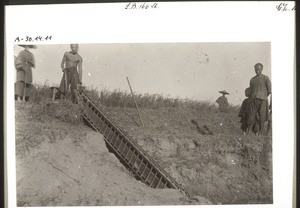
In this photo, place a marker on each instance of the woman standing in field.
(24, 63)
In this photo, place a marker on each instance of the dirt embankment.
(226, 168)
(62, 162)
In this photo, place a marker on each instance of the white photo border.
(170, 22)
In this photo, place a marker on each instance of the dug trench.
(61, 161)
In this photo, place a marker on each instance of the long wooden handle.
(135, 102)
(24, 90)
(66, 85)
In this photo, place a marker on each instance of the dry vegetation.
(225, 168)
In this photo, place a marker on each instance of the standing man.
(260, 89)
(24, 63)
(72, 67)
(222, 101)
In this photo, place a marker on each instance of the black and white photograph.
(154, 124)
(144, 123)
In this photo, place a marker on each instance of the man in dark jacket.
(260, 89)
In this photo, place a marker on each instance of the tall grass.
(123, 99)
(118, 98)
(40, 93)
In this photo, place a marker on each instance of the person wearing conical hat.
(222, 101)
(24, 63)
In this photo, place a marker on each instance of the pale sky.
(186, 70)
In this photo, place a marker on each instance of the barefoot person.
(260, 89)
(72, 67)
(24, 63)
(222, 101)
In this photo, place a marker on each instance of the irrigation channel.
(130, 153)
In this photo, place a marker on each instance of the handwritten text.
(33, 39)
(285, 7)
(144, 5)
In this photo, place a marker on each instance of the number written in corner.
(285, 7)
(33, 39)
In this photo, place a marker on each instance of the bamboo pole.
(135, 102)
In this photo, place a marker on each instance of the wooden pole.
(66, 83)
(24, 90)
(135, 102)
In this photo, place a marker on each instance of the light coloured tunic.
(24, 63)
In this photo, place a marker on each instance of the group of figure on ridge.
(255, 111)
(71, 66)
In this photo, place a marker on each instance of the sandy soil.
(60, 161)
(225, 168)
(61, 164)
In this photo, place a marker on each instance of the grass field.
(225, 168)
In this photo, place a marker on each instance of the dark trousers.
(258, 109)
(72, 80)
